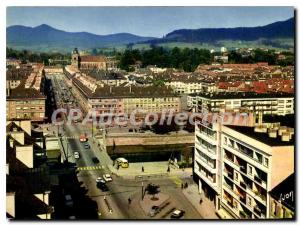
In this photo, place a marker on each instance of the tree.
(153, 189)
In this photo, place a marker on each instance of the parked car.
(100, 180)
(102, 186)
(154, 210)
(177, 214)
(95, 160)
(76, 155)
(107, 177)
(86, 146)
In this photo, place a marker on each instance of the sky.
(144, 21)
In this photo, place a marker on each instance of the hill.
(278, 30)
(47, 38)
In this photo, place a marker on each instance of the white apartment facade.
(277, 105)
(182, 87)
(237, 171)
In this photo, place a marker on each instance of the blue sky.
(145, 21)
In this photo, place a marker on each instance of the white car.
(100, 180)
(107, 177)
(76, 155)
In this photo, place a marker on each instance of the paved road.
(120, 189)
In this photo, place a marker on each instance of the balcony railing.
(243, 199)
(260, 212)
(243, 185)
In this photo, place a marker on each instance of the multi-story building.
(282, 199)
(274, 104)
(252, 166)
(27, 185)
(124, 99)
(24, 96)
(238, 165)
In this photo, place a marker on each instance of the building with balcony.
(117, 100)
(269, 104)
(282, 199)
(251, 167)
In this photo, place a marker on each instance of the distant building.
(91, 61)
(274, 104)
(223, 49)
(24, 94)
(221, 59)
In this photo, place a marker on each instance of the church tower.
(75, 61)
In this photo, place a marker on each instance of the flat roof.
(262, 137)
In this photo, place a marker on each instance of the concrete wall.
(282, 164)
(10, 204)
(25, 155)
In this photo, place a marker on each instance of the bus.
(82, 138)
(122, 162)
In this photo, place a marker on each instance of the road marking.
(89, 168)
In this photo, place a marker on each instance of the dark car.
(95, 160)
(86, 146)
(154, 210)
(102, 186)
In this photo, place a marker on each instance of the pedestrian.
(143, 169)
(186, 185)
(168, 170)
(182, 186)
(129, 201)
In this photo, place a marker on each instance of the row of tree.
(29, 56)
(259, 55)
(188, 59)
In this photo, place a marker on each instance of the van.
(122, 162)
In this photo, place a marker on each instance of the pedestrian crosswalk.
(176, 180)
(89, 168)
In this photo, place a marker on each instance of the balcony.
(243, 169)
(243, 199)
(260, 212)
(243, 185)
(244, 215)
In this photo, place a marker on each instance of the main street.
(116, 204)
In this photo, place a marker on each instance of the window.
(250, 170)
(236, 176)
(249, 201)
(266, 162)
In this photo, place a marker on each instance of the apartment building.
(252, 166)
(24, 94)
(124, 99)
(269, 104)
(282, 199)
(23, 149)
(237, 165)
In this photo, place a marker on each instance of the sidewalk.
(207, 208)
(150, 169)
